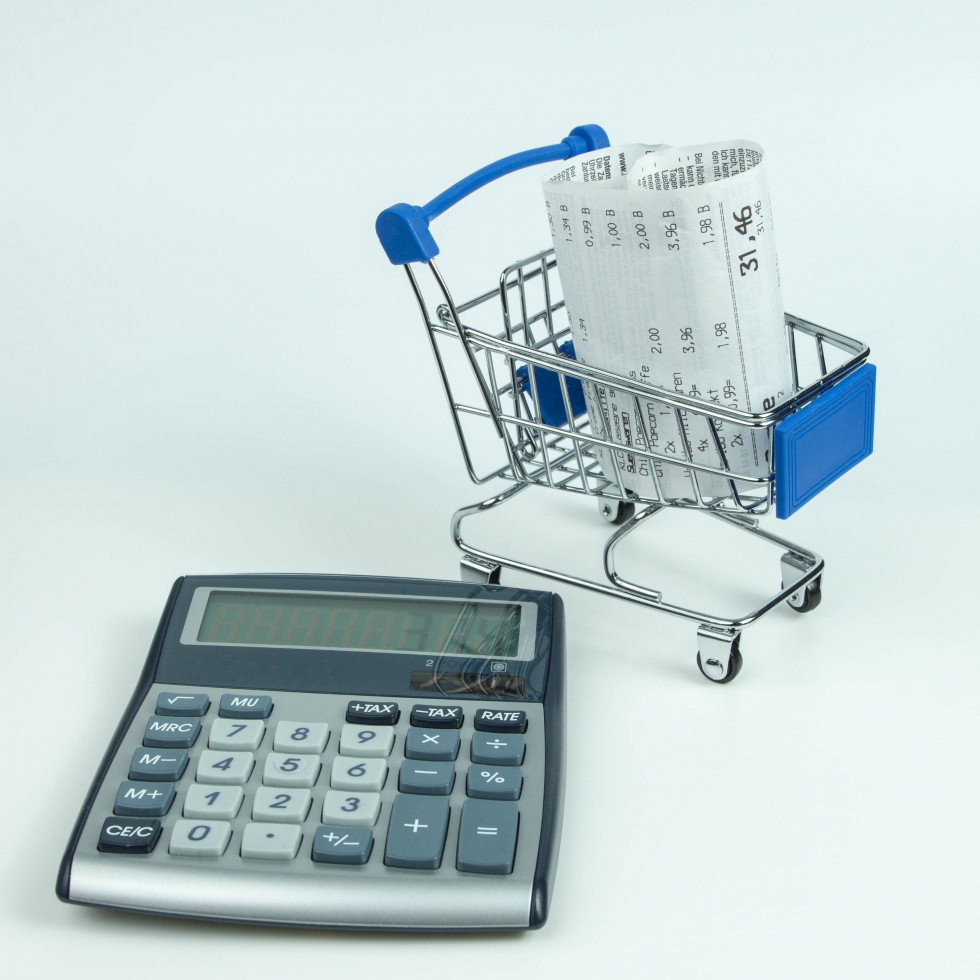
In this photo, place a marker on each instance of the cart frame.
(523, 389)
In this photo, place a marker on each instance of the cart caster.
(719, 657)
(616, 511)
(807, 598)
(472, 569)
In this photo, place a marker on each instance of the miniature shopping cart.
(506, 363)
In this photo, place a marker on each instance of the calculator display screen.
(351, 622)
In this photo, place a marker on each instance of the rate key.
(493, 720)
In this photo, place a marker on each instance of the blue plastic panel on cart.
(548, 386)
(824, 439)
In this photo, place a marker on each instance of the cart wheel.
(807, 598)
(473, 569)
(734, 666)
(616, 511)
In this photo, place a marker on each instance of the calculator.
(330, 751)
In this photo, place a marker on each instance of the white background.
(207, 365)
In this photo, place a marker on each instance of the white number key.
(200, 838)
(367, 741)
(275, 805)
(360, 774)
(301, 736)
(351, 809)
(282, 769)
(225, 768)
(213, 802)
(230, 733)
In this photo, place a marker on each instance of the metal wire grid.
(523, 323)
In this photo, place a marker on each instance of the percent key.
(494, 783)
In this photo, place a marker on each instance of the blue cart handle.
(404, 228)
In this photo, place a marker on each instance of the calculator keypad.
(232, 776)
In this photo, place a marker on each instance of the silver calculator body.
(326, 751)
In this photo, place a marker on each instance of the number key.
(226, 768)
(228, 733)
(351, 809)
(358, 774)
(366, 741)
(282, 769)
(301, 736)
(213, 802)
(200, 838)
(280, 806)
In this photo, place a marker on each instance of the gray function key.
(487, 837)
(417, 832)
(182, 705)
(434, 778)
(158, 765)
(499, 750)
(372, 712)
(437, 716)
(436, 744)
(500, 720)
(494, 782)
(342, 845)
(142, 799)
(163, 732)
(245, 706)
(122, 836)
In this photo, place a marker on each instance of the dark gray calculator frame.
(243, 668)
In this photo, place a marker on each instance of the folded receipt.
(668, 267)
